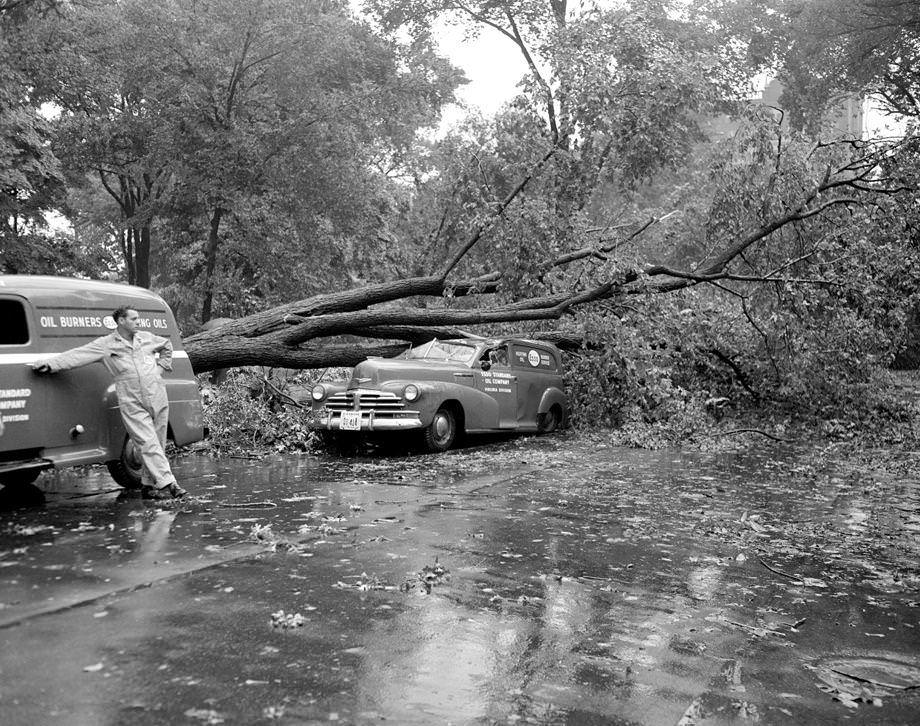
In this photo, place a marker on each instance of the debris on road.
(284, 621)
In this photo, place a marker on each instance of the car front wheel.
(442, 431)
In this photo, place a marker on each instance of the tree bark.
(142, 256)
(127, 252)
(211, 263)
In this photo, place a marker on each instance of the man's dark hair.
(121, 312)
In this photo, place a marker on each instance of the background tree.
(616, 93)
(823, 50)
(240, 123)
(31, 179)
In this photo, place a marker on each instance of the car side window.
(498, 356)
(15, 330)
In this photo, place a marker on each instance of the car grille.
(377, 401)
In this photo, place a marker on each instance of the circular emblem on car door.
(533, 358)
(109, 322)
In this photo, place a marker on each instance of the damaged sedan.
(444, 389)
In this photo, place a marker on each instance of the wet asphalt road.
(551, 581)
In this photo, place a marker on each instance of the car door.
(535, 368)
(500, 383)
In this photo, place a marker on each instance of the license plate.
(351, 421)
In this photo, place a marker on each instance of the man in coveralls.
(134, 358)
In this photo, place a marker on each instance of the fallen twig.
(874, 681)
(756, 630)
(246, 505)
(780, 572)
(750, 431)
(282, 396)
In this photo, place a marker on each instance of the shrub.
(256, 410)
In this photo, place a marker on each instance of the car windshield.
(443, 350)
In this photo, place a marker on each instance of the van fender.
(186, 422)
(113, 437)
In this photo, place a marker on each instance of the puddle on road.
(868, 680)
(536, 581)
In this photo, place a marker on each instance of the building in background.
(846, 119)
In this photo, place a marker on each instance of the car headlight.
(318, 392)
(411, 392)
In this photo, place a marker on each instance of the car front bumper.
(371, 421)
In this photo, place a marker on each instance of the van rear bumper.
(7, 467)
(67, 456)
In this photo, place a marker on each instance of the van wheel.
(20, 478)
(127, 470)
(549, 421)
(441, 432)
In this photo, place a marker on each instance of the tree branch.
(512, 195)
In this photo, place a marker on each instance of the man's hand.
(39, 367)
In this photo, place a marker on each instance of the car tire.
(20, 478)
(441, 433)
(549, 421)
(126, 470)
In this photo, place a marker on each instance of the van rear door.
(22, 402)
(83, 396)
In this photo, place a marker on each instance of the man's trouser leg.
(148, 431)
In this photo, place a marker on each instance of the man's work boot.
(176, 491)
(170, 491)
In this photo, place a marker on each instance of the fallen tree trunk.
(232, 350)
(307, 333)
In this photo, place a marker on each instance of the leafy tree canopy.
(822, 49)
(223, 125)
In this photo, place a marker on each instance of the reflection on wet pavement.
(551, 581)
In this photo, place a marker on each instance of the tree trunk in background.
(127, 251)
(908, 357)
(135, 237)
(211, 264)
(142, 256)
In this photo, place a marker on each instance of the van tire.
(126, 470)
(20, 478)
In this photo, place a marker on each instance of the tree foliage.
(245, 128)
(824, 49)
(687, 248)
(763, 239)
(31, 179)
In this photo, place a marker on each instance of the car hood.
(376, 371)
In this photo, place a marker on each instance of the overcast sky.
(492, 64)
